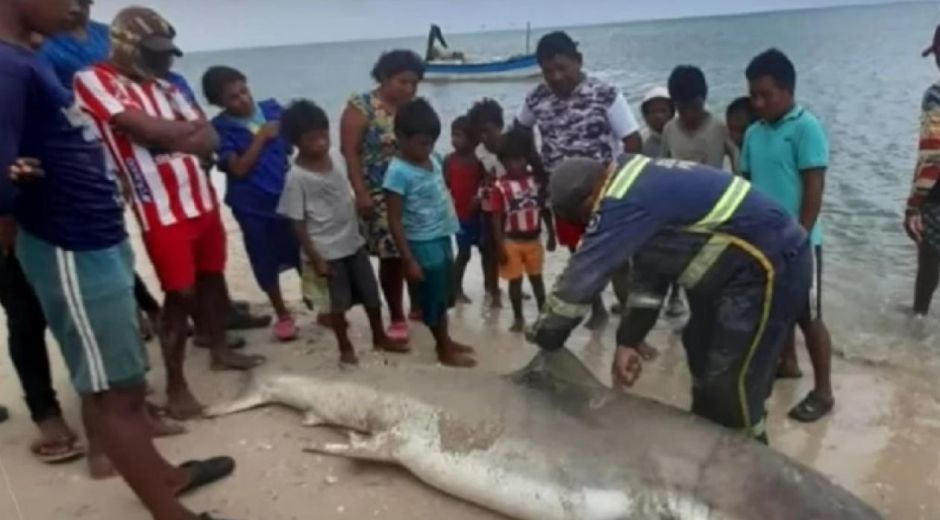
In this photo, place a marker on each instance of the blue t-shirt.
(68, 55)
(77, 205)
(428, 212)
(775, 155)
(260, 191)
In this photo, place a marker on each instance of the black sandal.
(205, 472)
(811, 408)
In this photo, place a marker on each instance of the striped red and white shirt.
(169, 187)
(518, 200)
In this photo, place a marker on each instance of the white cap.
(655, 93)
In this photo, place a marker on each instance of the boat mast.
(528, 34)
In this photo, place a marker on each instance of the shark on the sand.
(551, 442)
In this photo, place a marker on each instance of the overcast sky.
(222, 24)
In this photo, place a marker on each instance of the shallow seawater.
(859, 70)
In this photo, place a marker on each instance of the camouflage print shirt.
(591, 122)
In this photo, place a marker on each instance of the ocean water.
(859, 70)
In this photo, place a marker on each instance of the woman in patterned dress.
(367, 140)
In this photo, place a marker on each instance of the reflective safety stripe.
(562, 308)
(770, 274)
(704, 260)
(637, 300)
(726, 206)
(760, 428)
(626, 176)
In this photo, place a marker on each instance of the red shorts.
(180, 251)
(568, 233)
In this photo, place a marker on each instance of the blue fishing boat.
(444, 65)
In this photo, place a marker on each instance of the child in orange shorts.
(518, 213)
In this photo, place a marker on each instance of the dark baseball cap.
(935, 46)
(572, 182)
(144, 28)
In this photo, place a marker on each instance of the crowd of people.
(685, 207)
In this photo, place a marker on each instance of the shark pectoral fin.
(380, 447)
(312, 420)
(246, 402)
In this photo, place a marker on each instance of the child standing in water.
(319, 201)
(255, 159)
(422, 220)
(464, 175)
(518, 212)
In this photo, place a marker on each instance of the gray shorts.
(352, 282)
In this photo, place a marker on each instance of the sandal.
(205, 472)
(58, 451)
(811, 408)
(398, 331)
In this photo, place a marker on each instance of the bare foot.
(99, 466)
(324, 321)
(233, 361)
(787, 371)
(517, 326)
(348, 357)
(647, 351)
(597, 321)
(159, 425)
(183, 406)
(386, 344)
(463, 298)
(453, 358)
(461, 348)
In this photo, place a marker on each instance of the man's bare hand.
(627, 367)
(26, 169)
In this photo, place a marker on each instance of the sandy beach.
(880, 442)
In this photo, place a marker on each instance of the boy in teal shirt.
(423, 221)
(785, 156)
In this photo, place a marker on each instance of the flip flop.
(205, 472)
(811, 408)
(63, 449)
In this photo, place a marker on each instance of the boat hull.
(501, 70)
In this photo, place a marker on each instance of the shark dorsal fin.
(560, 369)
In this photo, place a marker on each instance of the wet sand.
(880, 442)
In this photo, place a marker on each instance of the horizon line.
(861, 4)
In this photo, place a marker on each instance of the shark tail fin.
(251, 396)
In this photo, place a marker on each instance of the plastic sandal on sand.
(285, 329)
(205, 472)
(811, 408)
(398, 331)
(64, 449)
